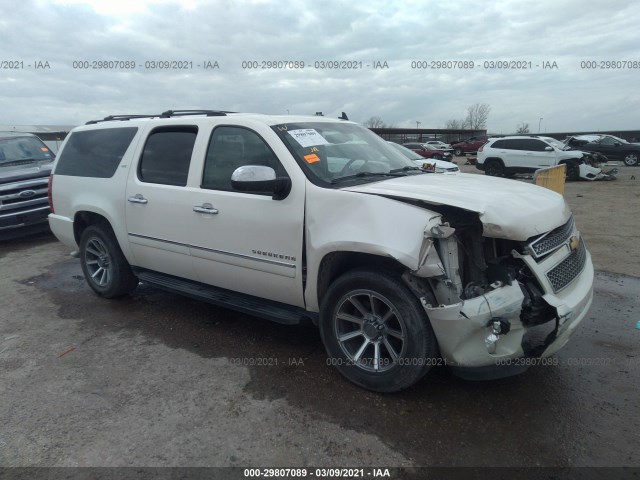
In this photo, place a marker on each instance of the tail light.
(481, 147)
(50, 192)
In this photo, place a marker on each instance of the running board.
(267, 309)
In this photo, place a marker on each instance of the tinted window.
(95, 153)
(233, 147)
(533, 145)
(608, 141)
(514, 144)
(509, 144)
(167, 155)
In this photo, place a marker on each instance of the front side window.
(611, 140)
(231, 148)
(167, 155)
(332, 153)
(534, 145)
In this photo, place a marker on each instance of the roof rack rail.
(119, 118)
(166, 114)
(208, 113)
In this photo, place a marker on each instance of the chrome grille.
(23, 196)
(550, 241)
(568, 269)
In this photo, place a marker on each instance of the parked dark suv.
(25, 166)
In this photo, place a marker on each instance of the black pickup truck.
(25, 166)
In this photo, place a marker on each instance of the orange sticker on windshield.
(44, 149)
(313, 158)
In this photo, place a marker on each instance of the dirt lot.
(161, 380)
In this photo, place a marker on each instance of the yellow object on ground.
(551, 178)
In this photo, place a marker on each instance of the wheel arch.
(334, 264)
(495, 159)
(84, 219)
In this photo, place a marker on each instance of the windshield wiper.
(18, 162)
(407, 169)
(392, 173)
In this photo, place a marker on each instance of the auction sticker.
(308, 137)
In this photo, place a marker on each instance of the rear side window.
(167, 155)
(95, 153)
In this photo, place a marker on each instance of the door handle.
(205, 208)
(138, 198)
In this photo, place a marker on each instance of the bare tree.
(477, 115)
(523, 128)
(374, 122)
(456, 124)
(453, 124)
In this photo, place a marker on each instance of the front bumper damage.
(590, 167)
(490, 335)
(588, 172)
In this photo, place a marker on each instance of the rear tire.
(104, 266)
(376, 332)
(458, 152)
(631, 159)
(494, 168)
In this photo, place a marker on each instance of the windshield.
(19, 150)
(556, 143)
(332, 152)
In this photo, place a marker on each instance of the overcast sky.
(229, 32)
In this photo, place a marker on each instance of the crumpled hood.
(507, 208)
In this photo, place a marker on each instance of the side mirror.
(548, 149)
(617, 144)
(258, 178)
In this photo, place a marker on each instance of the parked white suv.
(296, 218)
(506, 156)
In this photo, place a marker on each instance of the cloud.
(66, 32)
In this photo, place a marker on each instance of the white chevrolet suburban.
(310, 219)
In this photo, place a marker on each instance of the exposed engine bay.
(486, 282)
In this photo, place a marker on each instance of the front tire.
(104, 266)
(631, 159)
(458, 152)
(573, 172)
(376, 332)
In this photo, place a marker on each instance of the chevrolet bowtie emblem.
(574, 243)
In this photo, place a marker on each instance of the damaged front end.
(590, 167)
(494, 302)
